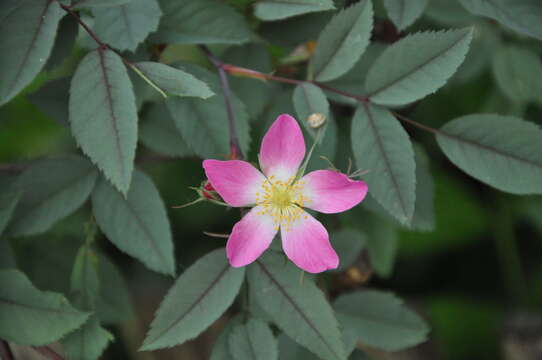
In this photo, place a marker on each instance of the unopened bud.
(316, 120)
(207, 191)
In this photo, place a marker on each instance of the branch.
(68, 9)
(235, 148)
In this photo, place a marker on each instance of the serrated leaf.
(522, 16)
(88, 342)
(424, 210)
(183, 19)
(269, 10)
(198, 297)
(98, 3)
(380, 320)
(428, 60)
(342, 41)
(29, 316)
(310, 99)
(382, 244)
(517, 72)
(159, 133)
(29, 30)
(174, 81)
(103, 115)
(348, 243)
(114, 302)
(403, 13)
(52, 189)
(300, 310)
(125, 26)
(137, 224)
(52, 99)
(221, 348)
(253, 340)
(502, 151)
(382, 147)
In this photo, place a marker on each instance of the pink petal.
(283, 148)
(250, 237)
(236, 181)
(331, 192)
(306, 243)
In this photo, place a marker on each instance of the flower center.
(282, 200)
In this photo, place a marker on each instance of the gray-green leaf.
(428, 60)
(28, 34)
(159, 133)
(502, 151)
(424, 210)
(127, 25)
(114, 302)
(198, 297)
(221, 348)
(253, 340)
(183, 19)
(342, 41)
(8, 200)
(138, 223)
(518, 72)
(382, 147)
(85, 282)
(348, 243)
(382, 244)
(52, 99)
(98, 3)
(88, 342)
(380, 320)
(310, 99)
(173, 81)
(103, 115)
(522, 16)
(29, 316)
(52, 189)
(268, 10)
(300, 310)
(403, 13)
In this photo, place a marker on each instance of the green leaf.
(85, 283)
(159, 133)
(382, 147)
(300, 310)
(290, 350)
(7, 257)
(380, 320)
(98, 3)
(173, 81)
(517, 72)
(348, 243)
(403, 13)
(428, 59)
(68, 28)
(137, 224)
(9, 197)
(382, 244)
(52, 189)
(29, 316)
(198, 297)
(253, 340)
(502, 151)
(88, 342)
(183, 19)
(342, 41)
(125, 26)
(268, 10)
(221, 348)
(522, 16)
(310, 99)
(424, 210)
(29, 30)
(103, 115)
(114, 304)
(52, 100)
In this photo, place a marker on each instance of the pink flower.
(277, 200)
